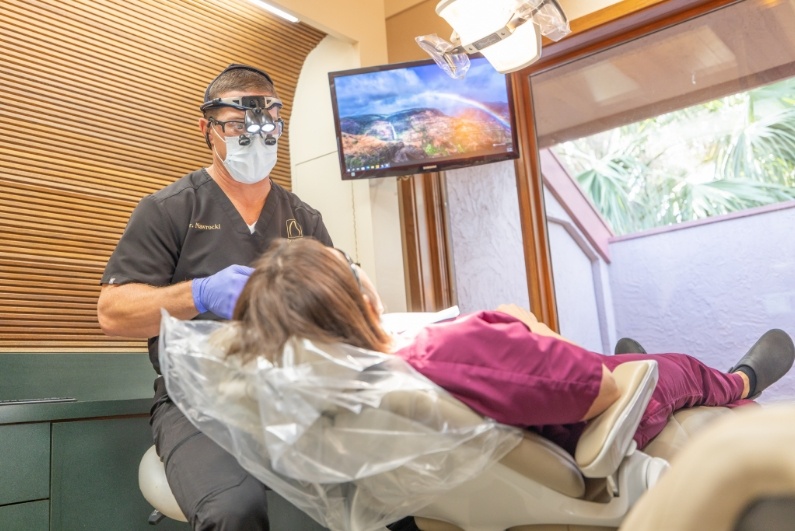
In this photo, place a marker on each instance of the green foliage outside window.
(714, 158)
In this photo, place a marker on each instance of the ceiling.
(730, 50)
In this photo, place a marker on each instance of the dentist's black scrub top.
(190, 229)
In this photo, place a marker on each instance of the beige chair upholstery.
(607, 438)
(682, 426)
(737, 474)
(562, 474)
(536, 468)
(540, 486)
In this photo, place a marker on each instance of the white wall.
(362, 216)
(313, 147)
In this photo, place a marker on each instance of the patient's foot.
(769, 359)
(626, 345)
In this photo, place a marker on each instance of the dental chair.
(349, 452)
(680, 429)
(738, 474)
(155, 489)
(538, 486)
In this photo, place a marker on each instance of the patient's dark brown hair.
(299, 288)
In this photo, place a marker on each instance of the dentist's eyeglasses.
(233, 128)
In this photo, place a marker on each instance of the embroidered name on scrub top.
(201, 226)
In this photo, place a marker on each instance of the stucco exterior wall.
(488, 260)
(710, 289)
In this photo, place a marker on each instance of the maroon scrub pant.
(683, 382)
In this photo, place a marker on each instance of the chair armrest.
(608, 437)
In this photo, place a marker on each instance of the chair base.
(502, 499)
(155, 517)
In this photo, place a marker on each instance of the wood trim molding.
(657, 108)
(530, 190)
(423, 218)
(619, 23)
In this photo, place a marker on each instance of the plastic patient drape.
(356, 439)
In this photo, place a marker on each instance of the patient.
(503, 364)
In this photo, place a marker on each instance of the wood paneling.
(100, 106)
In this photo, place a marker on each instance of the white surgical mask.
(249, 164)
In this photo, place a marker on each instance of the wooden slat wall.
(99, 107)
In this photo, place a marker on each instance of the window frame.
(612, 26)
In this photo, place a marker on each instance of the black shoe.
(770, 358)
(407, 524)
(626, 345)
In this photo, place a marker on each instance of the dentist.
(188, 248)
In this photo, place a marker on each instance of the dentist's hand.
(218, 293)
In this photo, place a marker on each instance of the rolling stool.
(154, 486)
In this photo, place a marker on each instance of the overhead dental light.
(507, 33)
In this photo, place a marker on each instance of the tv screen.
(413, 118)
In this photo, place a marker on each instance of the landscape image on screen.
(398, 117)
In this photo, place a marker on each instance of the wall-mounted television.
(410, 118)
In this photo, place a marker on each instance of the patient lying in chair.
(503, 364)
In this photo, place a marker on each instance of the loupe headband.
(236, 66)
(243, 103)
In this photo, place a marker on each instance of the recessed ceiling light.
(275, 10)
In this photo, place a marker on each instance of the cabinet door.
(24, 462)
(95, 476)
(95, 480)
(30, 516)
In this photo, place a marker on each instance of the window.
(683, 141)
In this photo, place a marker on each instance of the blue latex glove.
(218, 293)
